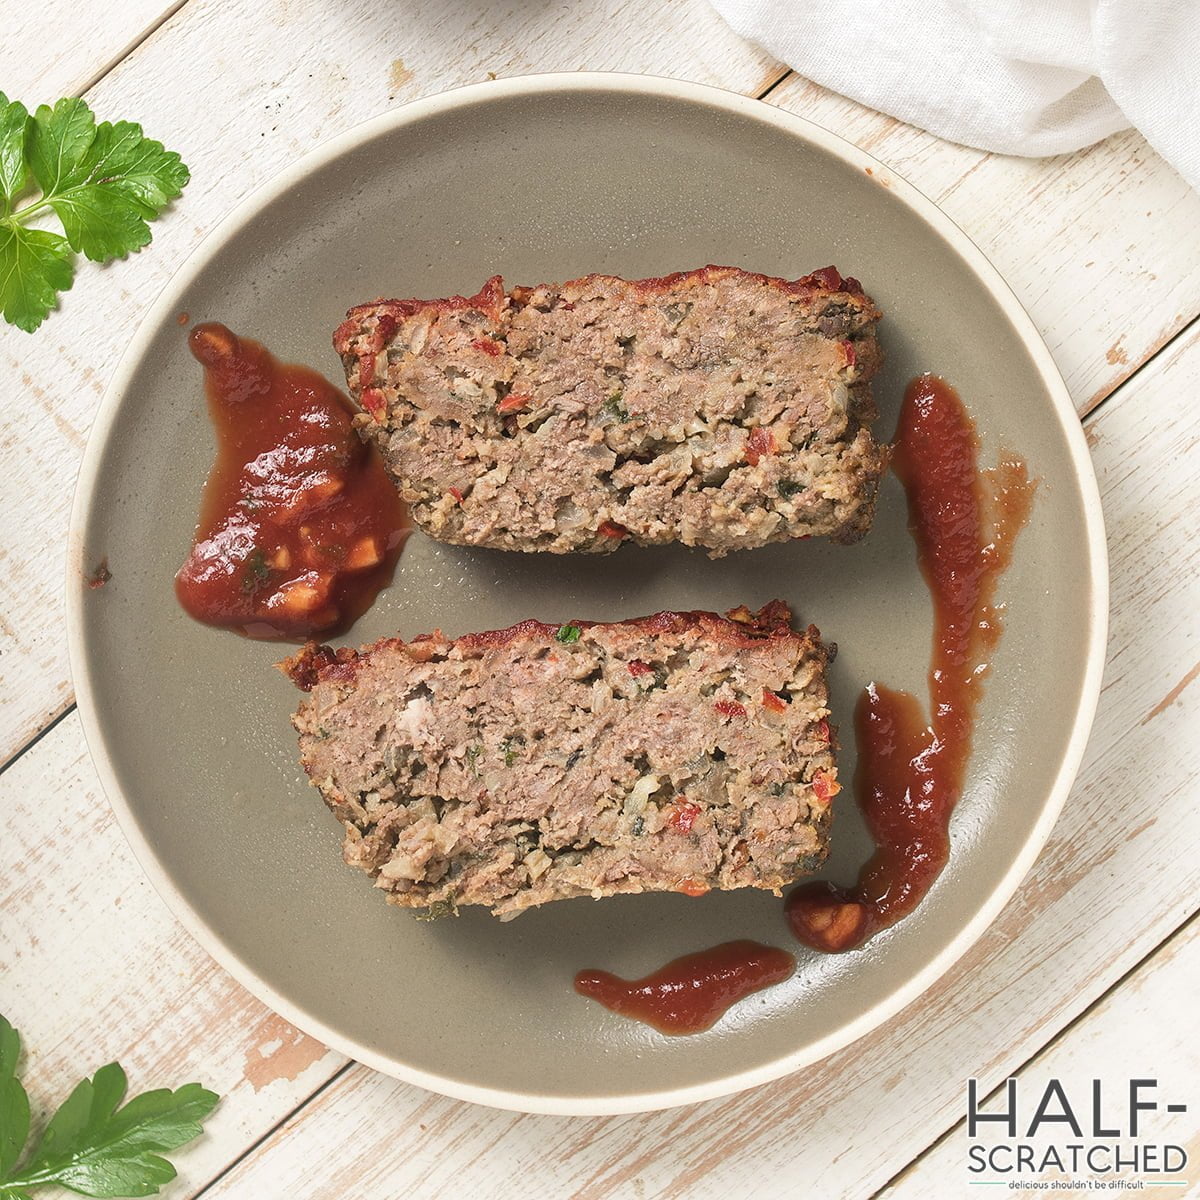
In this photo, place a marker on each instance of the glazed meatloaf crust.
(716, 408)
(677, 752)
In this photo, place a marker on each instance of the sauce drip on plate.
(300, 526)
(691, 993)
(910, 771)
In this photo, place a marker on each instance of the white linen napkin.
(1031, 77)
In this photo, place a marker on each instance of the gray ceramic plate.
(546, 178)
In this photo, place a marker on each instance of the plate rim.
(721, 100)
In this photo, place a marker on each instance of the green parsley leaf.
(59, 142)
(14, 1104)
(104, 183)
(35, 266)
(124, 160)
(788, 488)
(567, 633)
(101, 224)
(14, 171)
(124, 179)
(91, 1145)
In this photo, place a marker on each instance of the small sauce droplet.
(299, 526)
(691, 993)
(100, 576)
(910, 772)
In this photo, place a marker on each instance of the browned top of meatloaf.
(382, 315)
(716, 407)
(682, 751)
(739, 629)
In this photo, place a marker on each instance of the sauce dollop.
(691, 993)
(910, 771)
(299, 526)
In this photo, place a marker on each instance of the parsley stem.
(21, 213)
(21, 1183)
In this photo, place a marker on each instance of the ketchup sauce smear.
(910, 771)
(300, 526)
(691, 993)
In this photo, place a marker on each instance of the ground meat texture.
(716, 408)
(678, 752)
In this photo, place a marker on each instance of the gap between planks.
(283, 1120)
(55, 720)
(1045, 1048)
(785, 74)
(1095, 405)
(121, 55)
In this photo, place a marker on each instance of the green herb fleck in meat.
(639, 827)
(612, 407)
(656, 680)
(438, 909)
(789, 488)
(510, 747)
(473, 753)
(567, 633)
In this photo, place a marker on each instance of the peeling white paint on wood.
(93, 967)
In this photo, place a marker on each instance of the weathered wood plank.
(57, 48)
(1109, 887)
(290, 77)
(94, 968)
(1099, 246)
(1145, 1029)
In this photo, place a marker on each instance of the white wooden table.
(1091, 969)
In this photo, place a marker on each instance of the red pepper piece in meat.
(759, 444)
(684, 815)
(825, 786)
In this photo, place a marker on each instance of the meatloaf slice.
(716, 408)
(677, 752)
